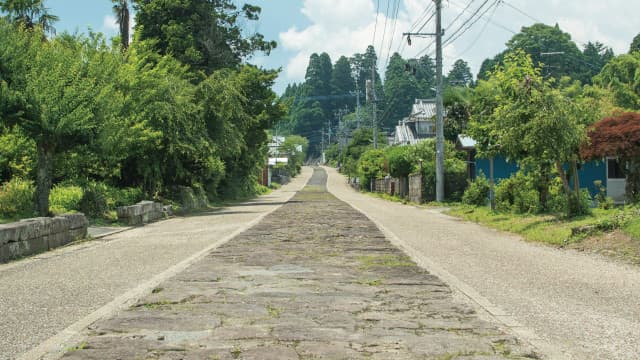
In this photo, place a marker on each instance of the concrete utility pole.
(371, 96)
(439, 106)
(357, 101)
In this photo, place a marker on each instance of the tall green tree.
(121, 11)
(342, 84)
(204, 34)
(402, 87)
(635, 44)
(596, 55)
(59, 89)
(622, 76)
(549, 47)
(460, 74)
(30, 14)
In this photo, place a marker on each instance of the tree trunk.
(563, 177)
(43, 178)
(633, 180)
(576, 178)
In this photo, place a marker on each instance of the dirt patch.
(616, 245)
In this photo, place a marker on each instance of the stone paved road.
(315, 279)
(43, 296)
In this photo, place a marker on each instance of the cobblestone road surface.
(315, 279)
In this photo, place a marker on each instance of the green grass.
(545, 228)
(633, 228)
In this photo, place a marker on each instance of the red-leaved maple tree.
(618, 136)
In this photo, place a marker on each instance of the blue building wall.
(502, 169)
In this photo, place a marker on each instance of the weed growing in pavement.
(273, 311)
(236, 352)
(374, 282)
(386, 260)
(80, 346)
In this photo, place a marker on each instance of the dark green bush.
(94, 199)
(477, 192)
(17, 198)
(517, 194)
(124, 197)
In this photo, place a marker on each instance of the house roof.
(465, 142)
(404, 135)
(423, 109)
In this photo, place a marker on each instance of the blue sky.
(344, 27)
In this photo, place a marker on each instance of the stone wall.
(141, 213)
(415, 188)
(32, 236)
(386, 185)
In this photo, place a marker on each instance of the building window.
(615, 170)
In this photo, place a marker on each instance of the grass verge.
(612, 232)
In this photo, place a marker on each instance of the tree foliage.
(622, 77)
(204, 34)
(618, 136)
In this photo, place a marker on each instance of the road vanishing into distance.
(316, 269)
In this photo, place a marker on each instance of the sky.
(345, 27)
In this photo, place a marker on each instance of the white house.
(420, 125)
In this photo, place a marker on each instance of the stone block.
(41, 226)
(14, 232)
(78, 234)
(167, 210)
(129, 211)
(76, 220)
(59, 239)
(24, 248)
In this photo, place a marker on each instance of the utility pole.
(375, 107)
(439, 106)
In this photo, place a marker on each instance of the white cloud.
(341, 27)
(109, 23)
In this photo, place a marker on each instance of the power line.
(522, 12)
(461, 12)
(393, 31)
(481, 31)
(493, 22)
(384, 32)
(428, 10)
(375, 28)
(465, 23)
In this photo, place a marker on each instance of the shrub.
(124, 197)
(17, 198)
(65, 198)
(371, 167)
(517, 194)
(604, 202)
(94, 199)
(477, 192)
